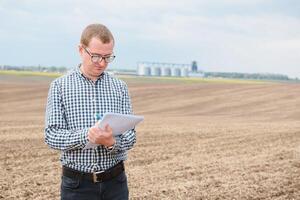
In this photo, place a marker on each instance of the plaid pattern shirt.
(73, 103)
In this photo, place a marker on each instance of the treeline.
(234, 75)
(59, 69)
(258, 76)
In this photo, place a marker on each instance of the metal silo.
(141, 69)
(155, 71)
(147, 71)
(184, 72)
(165, 71)
(175, 71)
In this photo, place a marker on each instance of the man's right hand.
(104, 136)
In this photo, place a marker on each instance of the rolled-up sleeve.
(57, 134)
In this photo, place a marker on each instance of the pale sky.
(253, 36)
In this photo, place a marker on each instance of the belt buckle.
(95, 178)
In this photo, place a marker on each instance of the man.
(75, 101)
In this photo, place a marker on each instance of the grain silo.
(155, 71)
(175, 72)
(184, 72)
(143, 69)
(147, 71)
(165, 71)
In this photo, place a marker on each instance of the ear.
(80, 50)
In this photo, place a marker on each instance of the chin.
(99, 71)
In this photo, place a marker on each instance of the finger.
(92, 131)
(98, 124)
(90, 138)
(93, 134)
(93, 137)
(95, 129)
(108, 131)
(108, 128)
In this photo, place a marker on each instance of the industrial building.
(168, 69)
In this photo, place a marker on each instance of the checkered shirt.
(72, 105)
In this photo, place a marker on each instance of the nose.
(102, 63)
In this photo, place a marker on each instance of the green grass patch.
(29, 73)
(186, 80)
(152, 80)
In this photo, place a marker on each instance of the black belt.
(95, 176)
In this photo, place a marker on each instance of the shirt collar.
(78, 70)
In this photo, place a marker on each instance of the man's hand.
(104, 136)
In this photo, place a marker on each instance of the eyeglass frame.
(98, 56)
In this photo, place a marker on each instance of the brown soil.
(198, 141)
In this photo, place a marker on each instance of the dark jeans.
(81, 189)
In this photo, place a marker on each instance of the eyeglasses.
(98, 58)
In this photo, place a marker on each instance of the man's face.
(95, 47)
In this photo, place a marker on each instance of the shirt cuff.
(84, 138)
(116, 147)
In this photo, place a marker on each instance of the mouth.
(98, 67)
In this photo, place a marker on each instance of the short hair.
(99, 31)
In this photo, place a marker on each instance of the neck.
(93, 78)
